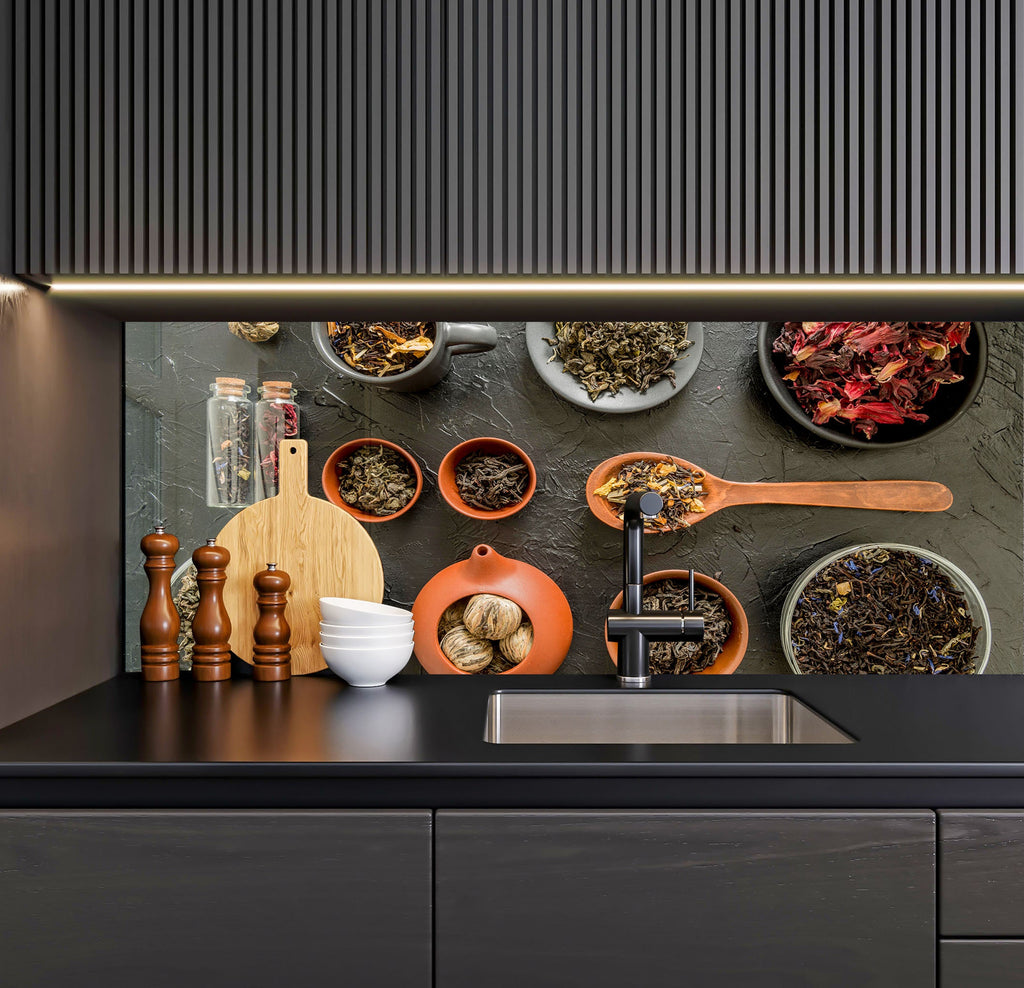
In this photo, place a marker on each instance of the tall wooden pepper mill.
(271, 650)
(211, 627)
(160, 624)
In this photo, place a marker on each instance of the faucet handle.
(642, 504)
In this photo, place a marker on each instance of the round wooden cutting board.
(326, 552)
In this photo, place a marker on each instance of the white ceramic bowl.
(343, 610)
(366, 666)
(373, 641)
(344, 628)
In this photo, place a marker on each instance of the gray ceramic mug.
(450, 339)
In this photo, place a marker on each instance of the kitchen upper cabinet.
(664, 898)
(536, 136)
(165, 899)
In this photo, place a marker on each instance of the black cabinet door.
(684, 898)
(981, 963)
(981, 858)
(167, 899)
(536, 137)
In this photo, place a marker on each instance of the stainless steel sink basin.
(655, 717)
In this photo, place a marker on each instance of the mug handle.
(471, 337)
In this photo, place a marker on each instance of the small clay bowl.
(735, 647)
(329, 477)
(484, 444)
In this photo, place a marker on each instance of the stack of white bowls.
(362, 642)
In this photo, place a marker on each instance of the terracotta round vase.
(487, 571)
(735, 647)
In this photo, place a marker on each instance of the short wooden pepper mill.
(271, 651)
(211, 627)
(160, 624)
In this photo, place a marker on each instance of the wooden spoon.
(875, 495)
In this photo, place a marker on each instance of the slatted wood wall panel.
(511, 136)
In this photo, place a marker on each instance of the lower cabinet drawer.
(981, 874)
(981, 963)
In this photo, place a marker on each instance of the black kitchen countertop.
(921, 741)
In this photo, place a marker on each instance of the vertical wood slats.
(518, 136)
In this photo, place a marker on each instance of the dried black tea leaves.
(608, 356)
(680, 658)
(681, 490)
(377, 480)
(884, 611)
(492, 481)
(381, 349)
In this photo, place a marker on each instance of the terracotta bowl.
(484, 444)
(329, 477)
(735, 648)
(487, 571)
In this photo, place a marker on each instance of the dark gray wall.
(60, 501)
(551, 136)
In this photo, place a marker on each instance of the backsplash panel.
(724, 419)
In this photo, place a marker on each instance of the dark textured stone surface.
(724, 420)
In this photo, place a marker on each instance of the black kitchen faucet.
(631, 626)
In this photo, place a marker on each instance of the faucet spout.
(638, 506)
(632, 627)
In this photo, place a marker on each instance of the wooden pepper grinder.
(211, 627)
(160, 624)
(271, 651)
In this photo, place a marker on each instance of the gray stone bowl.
(627, 400)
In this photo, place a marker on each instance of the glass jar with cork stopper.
(229, 443)
(277, 418)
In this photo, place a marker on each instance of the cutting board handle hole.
(292, 449)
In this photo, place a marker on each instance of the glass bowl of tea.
(888, 609)
(873, 385)
(372, 479)
(487, 478)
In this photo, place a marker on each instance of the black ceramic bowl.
(943, 410)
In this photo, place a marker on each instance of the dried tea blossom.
(870, 373)
(681, 489)
(607, 356)
(377, 480)
(381, 349)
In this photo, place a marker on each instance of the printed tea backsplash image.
(723, 418)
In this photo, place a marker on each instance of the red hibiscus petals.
(870, 373)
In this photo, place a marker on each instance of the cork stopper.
(276, 389)
(229, 386)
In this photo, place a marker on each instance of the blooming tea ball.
(465, 651)
(452, 617)
(516, 647)
(489, 616)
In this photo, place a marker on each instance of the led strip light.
(553, 285)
